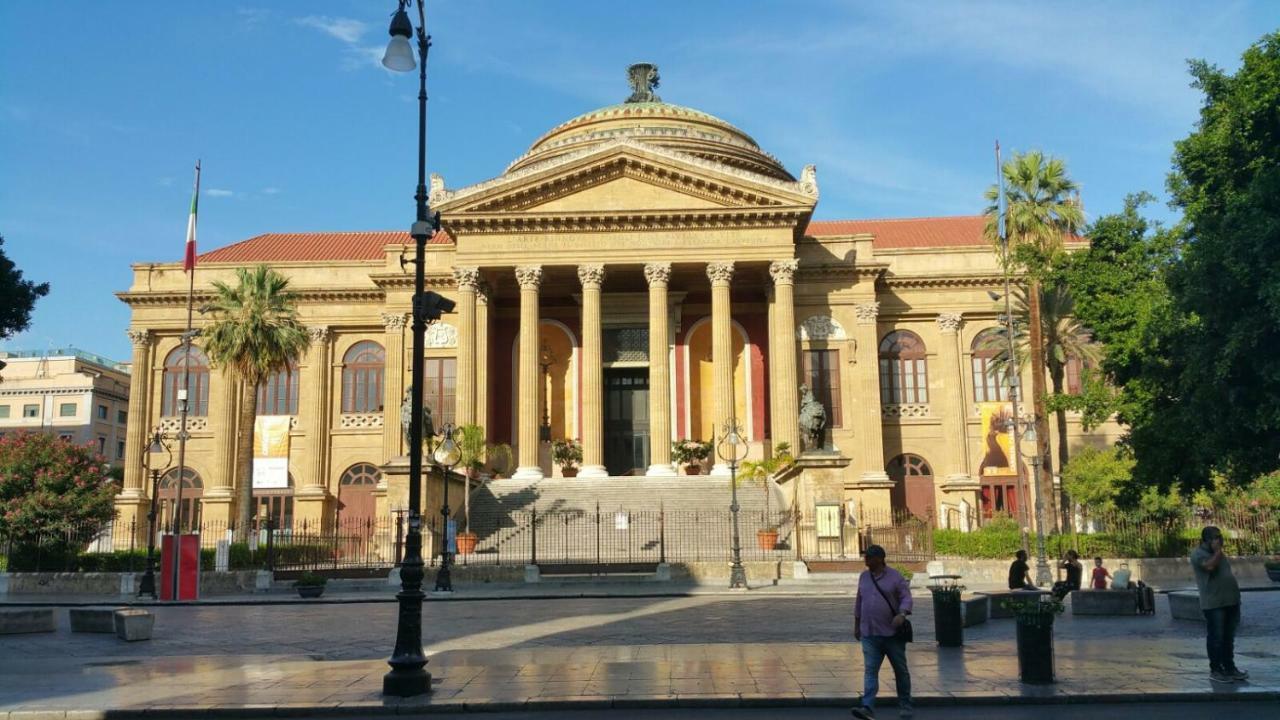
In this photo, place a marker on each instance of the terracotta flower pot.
(569, 472)
(767, 539)
(467, 542)
(692, 469)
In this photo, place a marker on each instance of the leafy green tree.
(1040, 212)
(52, 486)
(1100, 480)
(17, 296)
(473, 450)
(759, 471)
(254, 333)
(1226, 179)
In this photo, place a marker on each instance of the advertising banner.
(271, 452)
(997, 439)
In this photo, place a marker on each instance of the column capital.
(657, 273)
(318, 333)
(720, 273)
(394, 322)
(591, 275)
(468, 278)
(949, 322)
(867, 312)
(529, 277)
(139, 337)
(483, 293)
(783, 272)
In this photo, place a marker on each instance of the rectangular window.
(822, 374)
(102, 412)
(440, 389)
(4, 411)
(102, 445)
(119, 449)
(30, 411)
(67, 410)
(279, 395)
(122, 417)
(989, 384)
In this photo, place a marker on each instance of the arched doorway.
(192, 491)
(912, 491)
(356, 505)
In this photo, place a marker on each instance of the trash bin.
(948, 615)
(1035, 641)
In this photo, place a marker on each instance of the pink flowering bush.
(49, 485)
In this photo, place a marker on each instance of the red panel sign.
(189, 578)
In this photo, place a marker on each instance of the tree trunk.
(1038, 391)
(244, 458)
(1056, 375)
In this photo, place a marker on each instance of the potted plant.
(948, 615)
(567, 454)
(499, 457)
(310, 585)
(1034, 620)
(1273, 568)
(472, 448)
(691, 453)
(760, 471)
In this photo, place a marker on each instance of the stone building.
(80, 396)
(643, 273)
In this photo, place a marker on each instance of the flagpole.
(183, 400)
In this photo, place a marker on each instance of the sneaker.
(1237, 674)
(863, 713)
(1221, 676)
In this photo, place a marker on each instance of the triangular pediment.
(623, 177)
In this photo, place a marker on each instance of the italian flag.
(189, 262)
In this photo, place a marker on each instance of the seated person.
(1020, 573)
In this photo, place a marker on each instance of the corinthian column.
(311, 496)
(954, 433)
(659, 276)
(592, 277)
(867, 413)
(392, 385)
(468, 284)
(529, 278)
(483, 301)
(721, 274)
(786, 401)
(136, 440)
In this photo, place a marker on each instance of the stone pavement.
(729, 651)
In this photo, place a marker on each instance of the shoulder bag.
(904, 632)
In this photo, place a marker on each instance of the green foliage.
(51, 486)
(17, 296)
(471, 446)
(567, 453)
(310, 579)
(1098, 479)
(1039, 210)
(500, 457)
(690, 451)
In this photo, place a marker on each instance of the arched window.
(904, 379)
(362, 370)
(279, 394)
(990, 384)
(197, 382)
(192, 490)
(912, 486)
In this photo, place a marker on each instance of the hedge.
(60, 558)
(1002, 543)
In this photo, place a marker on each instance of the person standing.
(1100, 575)
(1220, 603)
(879, 613)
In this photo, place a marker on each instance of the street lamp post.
(157, 446)
(408, 675)
(1044, 576)
(732, 448)
(446, 457)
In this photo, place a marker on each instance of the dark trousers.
(875, 648)
(1221, 639)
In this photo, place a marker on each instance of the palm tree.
(1040, 211)
(473, 449)
(1064, 338)
(254, 334)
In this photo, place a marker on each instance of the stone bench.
(135, 624)
(93, 620)
(975, 609)
(998, 598)
(1104, 602)
(27, 620)
(1185, 605)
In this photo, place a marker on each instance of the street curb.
(415, 706)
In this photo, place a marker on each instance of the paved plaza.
(708, 649)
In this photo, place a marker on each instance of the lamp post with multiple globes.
(733, 449)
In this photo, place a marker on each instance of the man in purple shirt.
(882, 606)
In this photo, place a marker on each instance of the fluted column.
(592, 277)
(658, 275)
(483, 301)
(392, 385)
(529, 278)
(869, 432)
(468, 284)
(785, 392)
(721, 274)
(311, 497)
(216, 503)
(952, 397)
(136, 438)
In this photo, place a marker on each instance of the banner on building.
(271, 452)
(997, 439)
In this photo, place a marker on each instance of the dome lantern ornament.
(643, 78)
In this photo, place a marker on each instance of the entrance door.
(626, 420)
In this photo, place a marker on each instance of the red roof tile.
(935, 232)
(307, 247)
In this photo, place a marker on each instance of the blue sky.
(105, 106)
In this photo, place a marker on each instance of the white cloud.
(349, 32)
(219, 193)
(271, 191)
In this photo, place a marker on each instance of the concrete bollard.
(128, 584)
(134, 625)
(262, 581)
(222, 556)
(799, 570)
(393, 577)
(93, 620)
(27, 620)
(532, 574)
(663, 573)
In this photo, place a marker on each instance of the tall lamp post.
(408, 675)
(157, 446)
(446, 457)
(1044, 576)
(732, 448)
